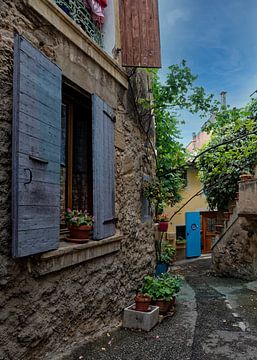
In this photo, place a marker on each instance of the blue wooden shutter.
(36, 151)
(103, 169)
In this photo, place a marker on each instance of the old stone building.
(72, 135)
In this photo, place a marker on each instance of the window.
(76, 152)
(180, 232)
(52, 134)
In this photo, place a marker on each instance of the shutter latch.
(108, 221)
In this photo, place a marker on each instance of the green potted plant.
(162, 290)
(80, 224)
(163, 220)
(165, 254)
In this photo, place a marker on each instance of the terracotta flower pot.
(142, 302)
(81, 232)
(163, 226)
(164, 305)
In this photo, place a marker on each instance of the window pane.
(63, 203)
(81, 177)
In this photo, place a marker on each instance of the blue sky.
(218, 39)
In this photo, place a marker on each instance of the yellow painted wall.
(199, 203)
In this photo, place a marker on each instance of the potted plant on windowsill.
(80, 224)
(163, 290)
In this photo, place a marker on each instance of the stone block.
(140, 320)
(128, 165)
(119, 140)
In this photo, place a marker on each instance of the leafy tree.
(232, 150)
(176, 94)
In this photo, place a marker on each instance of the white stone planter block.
(140, 320)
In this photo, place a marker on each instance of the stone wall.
(236, 254)
(42, 315)
(236, 251)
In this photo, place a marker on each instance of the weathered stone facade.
(235, 253)
(43, 312)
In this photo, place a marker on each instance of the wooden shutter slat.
(36, 109)
(31, 126)
(103, 169)
(41, 216)
(37, 57)
(33, 146)
(37, 240)
(40, 193)
(36, 151)
(140, 35)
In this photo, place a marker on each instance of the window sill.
(69, 254)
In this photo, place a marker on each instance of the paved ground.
(215, 319)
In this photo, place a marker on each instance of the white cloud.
(175, 16)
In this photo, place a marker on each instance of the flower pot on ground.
(162, 289)
(80, 224)
(164, 305)
(165, 254)
(142, 302)
(161, 268)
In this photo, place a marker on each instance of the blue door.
(193, 236)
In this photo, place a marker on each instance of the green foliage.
(164, 252)
(162, 218)
(78, 218)
(163, 287)
(180, 241)
(167, 254)
(221, 166)
(177, 93)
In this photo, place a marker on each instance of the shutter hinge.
(112, 117)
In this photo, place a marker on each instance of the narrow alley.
(215, 318)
